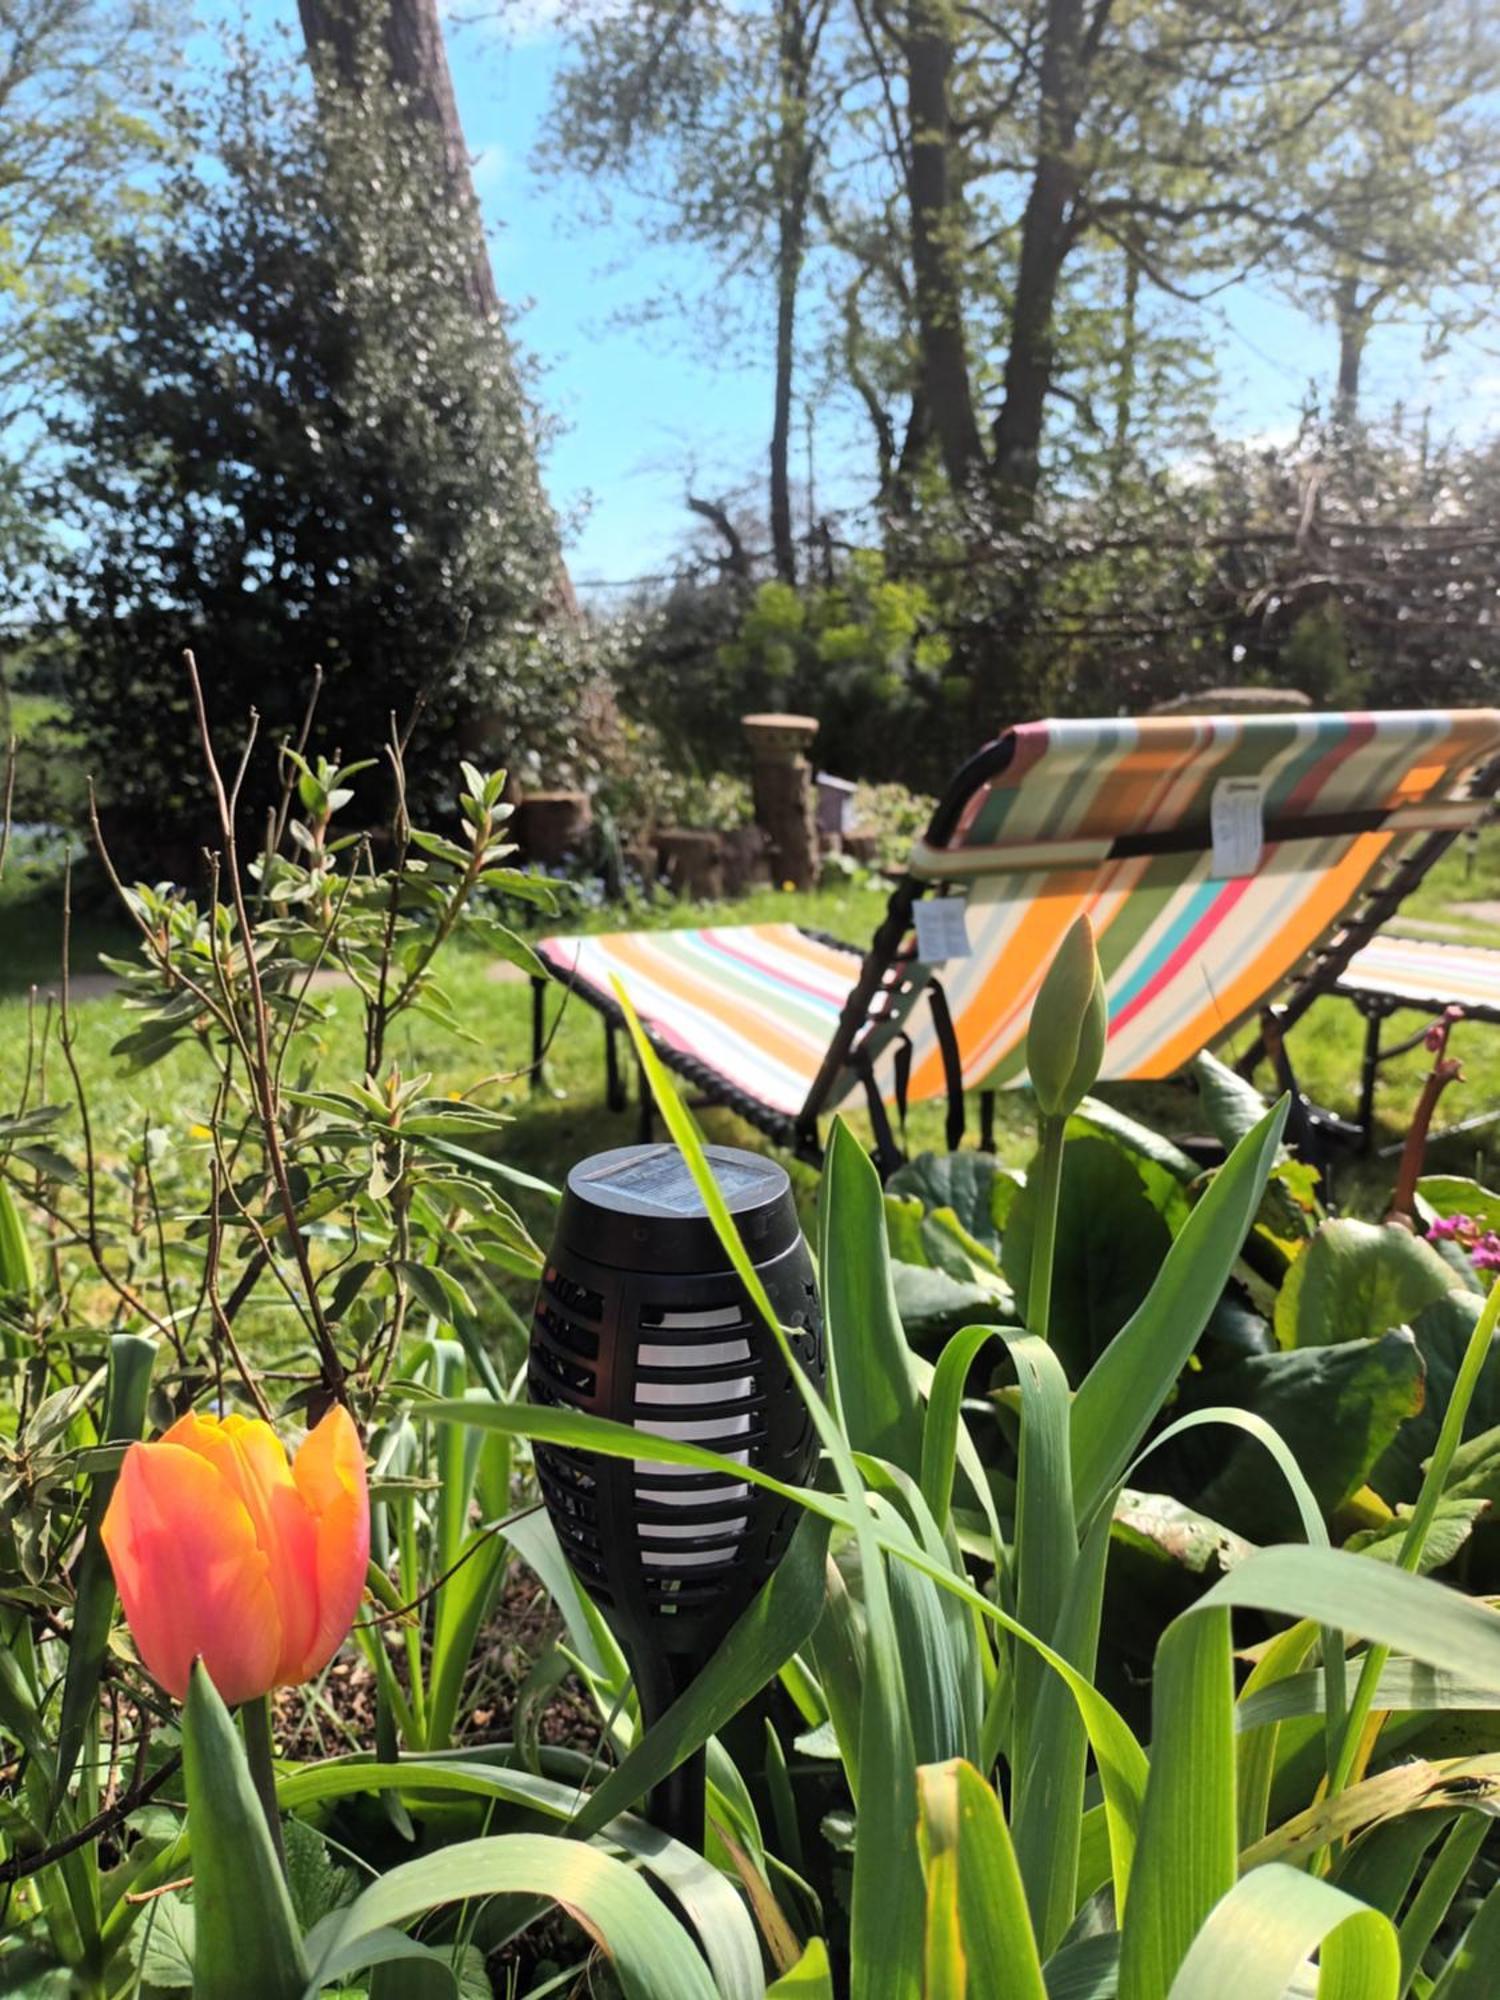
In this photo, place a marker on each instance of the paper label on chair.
(942, 929)
(1236, 819)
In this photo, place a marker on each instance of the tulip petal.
(191, 1574)
(330, 1473)
(252, 1461)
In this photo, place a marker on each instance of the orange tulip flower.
(223, 1550)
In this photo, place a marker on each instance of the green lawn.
(569, 1118)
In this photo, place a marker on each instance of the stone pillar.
(786, 799)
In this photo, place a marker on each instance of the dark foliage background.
(288, 440)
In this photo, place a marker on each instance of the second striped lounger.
(1212, 853)
(1391, 975)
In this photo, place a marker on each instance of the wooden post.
(785, 796)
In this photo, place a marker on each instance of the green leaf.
(1453, 1194)
(161, 1945)
(245, 1933)
(1337, 1408)
(1355, 1280)
(1138, 1371)
(703, 1895)
(130, 1362)
(1185, 1857)
(651, 1954)
(315, 1881)
(778, 1621)
(932, 1304)
(1443, 1881)
(979, 1935)
(1111, 1243)
(1470, 1972)
(978, 1190)
(1451, 1525)
(1443, 1333)
(1232, 1106)
(809, 1979)
(868, 1358)
(1258, 1937)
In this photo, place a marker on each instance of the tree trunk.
(1046, 237)
(1125, 378)
(794, 181)
(932, 196)
(1353, 319)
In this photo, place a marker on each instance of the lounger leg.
(986, 1121)
(538, 1032)
(614, 1082)
(1368, 1072)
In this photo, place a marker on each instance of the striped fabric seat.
(1414, 972)
(1113, 818)
(1069, 822)
(758, 1003)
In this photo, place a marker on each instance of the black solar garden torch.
(641, 1319)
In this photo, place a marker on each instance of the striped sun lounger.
(1394, 974)
(1213, 854)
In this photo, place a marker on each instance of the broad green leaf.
(315, 1881)
(1259, 1936)
(1111, 1242)
(933, 1304)
(245, 1934)
(1232, 1106)
(980, 1944)
(1450, 1527)
(1454, 1194)
(161, 1945)
(652, 1956)
(1131, 1380)
(1355, 1280)
(978, 1190)
(1335, 1408)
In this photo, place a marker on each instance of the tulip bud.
(223, 1550)
(1069, 1023)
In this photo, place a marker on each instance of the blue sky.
(645, 413)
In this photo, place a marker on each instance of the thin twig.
(20, 1866)
(263, 1079)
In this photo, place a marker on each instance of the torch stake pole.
(676, 1806)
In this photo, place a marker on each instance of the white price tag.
(1236, 819)
(942, 929)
